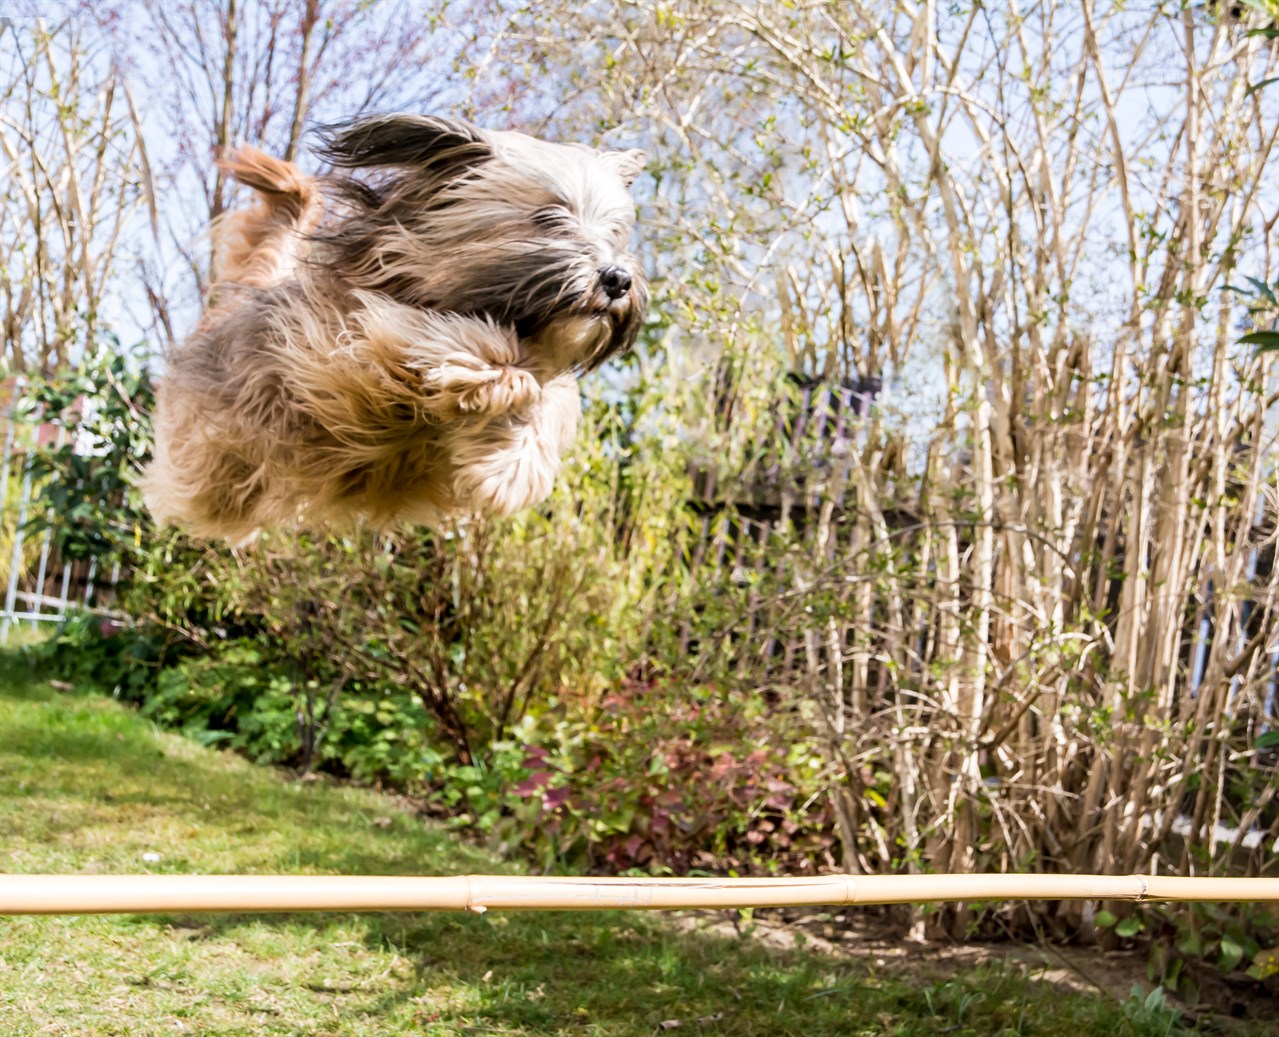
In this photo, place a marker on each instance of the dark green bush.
(88, 651)
(82, 479)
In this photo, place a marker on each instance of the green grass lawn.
(87, 786)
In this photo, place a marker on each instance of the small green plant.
(1151, 1013)
(1236, 938)
(669, 777)
(1125, 928)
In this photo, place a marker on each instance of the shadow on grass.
(629, 975)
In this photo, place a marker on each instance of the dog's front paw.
(481, 389)
(512, 389)
(505, 465)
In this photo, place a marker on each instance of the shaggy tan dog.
(400, 346)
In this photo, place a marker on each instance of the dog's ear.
(421, 141)
(630, 164)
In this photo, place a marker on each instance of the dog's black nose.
(615, 281)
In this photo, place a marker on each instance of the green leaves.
(1128, 927)
(1228, 937)
(91, 434)
(1265, 82)
(1263, 309)
(1265, 341)
(1264, 964)
(1231, 953)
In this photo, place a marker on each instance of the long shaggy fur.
(399, 345)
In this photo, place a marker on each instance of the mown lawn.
(87, 786)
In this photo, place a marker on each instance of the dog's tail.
(260, 247)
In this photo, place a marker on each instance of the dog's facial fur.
(400, 339)
(496, 224)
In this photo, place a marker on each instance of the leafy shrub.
(233, 695)
(667, 778)
(82, 478)
(88, 651)
(1189, 939)
(243, 696)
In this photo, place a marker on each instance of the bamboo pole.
(161, 894)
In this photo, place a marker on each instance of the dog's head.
(532, 234)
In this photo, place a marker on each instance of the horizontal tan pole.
(160, 894)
